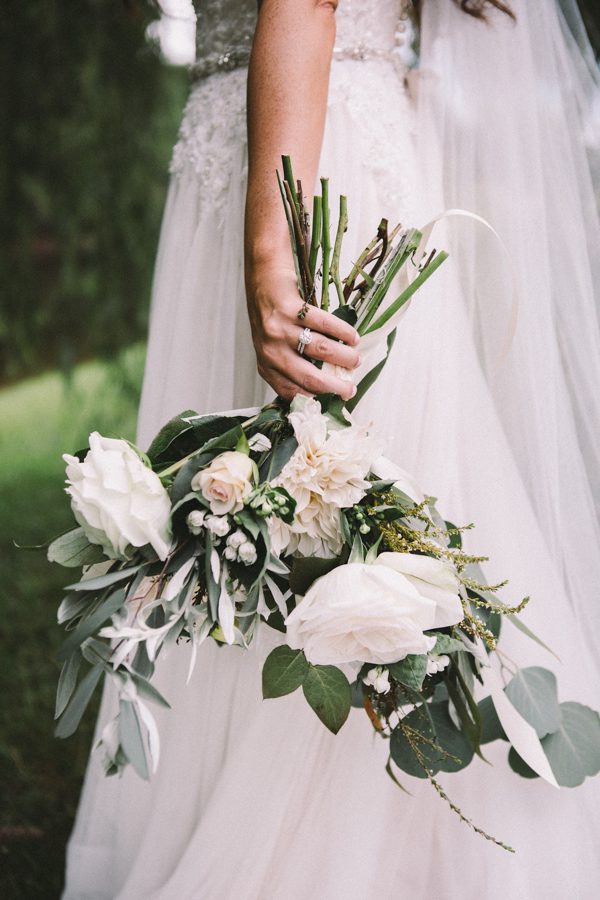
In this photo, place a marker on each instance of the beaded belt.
(238, 58)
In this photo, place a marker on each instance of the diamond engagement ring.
(304, 340)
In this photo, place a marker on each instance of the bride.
(490, 398)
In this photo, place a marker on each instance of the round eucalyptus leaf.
(519, 765)
(450, 753)
(533, 693)
(491, 729)
(574, 748)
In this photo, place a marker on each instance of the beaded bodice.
(365, 28)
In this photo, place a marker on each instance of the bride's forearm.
(288, 83)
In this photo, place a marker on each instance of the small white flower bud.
(230, 553)
(236, 539)
(436, 663)
(195, 521)
(247, 553)
(379, 679)
(218, 525)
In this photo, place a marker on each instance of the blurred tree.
(89, 116)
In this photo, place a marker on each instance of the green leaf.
(280, 454)
(283, 672)
(148, 691)
(104, 581)
(97, 653)
(491, 729)
(305, 572)
(168, 433)
(519, 765)
(533, 693)
(573, 750)
(466, 707)
(430, 725)
(446, 644)
(371, 377)
(67, 682)
(73, 550)
(421, 725)
(410, 671)
(347, 314)
(88, 625)
(328, 693)
(131, 738)
(77, 705)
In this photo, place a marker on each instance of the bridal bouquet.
(289, 517)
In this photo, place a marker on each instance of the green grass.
(40, 776)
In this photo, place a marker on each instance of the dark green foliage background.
(88, 117)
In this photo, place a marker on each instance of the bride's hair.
(477, 8)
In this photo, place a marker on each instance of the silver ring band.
(304, 340)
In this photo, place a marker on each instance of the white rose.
(226, 482)
(217, 525)
(117, 500)
(247, 554)
(433, 578)
(379, 679)
(195, 521)
(371, 613)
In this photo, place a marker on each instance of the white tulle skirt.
(255, 800)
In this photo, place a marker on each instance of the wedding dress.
(255, 800)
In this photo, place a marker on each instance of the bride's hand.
(273, 306)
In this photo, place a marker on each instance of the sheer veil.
(509, 119)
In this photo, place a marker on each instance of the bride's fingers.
(327, 350)
(310, 380)
(326, 323)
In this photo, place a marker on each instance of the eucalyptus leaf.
(445, 644)
(422, 732)
(283, 672)
(77, 705)
(491, 729)
(88, 625)
(410, 671)
(131, 738)
(574, 748)
(533, 692)
(147, 690)
(103, 581)
(328, 693)
(73, 550)
(519, 765)
(450, 753)
(66, 682)
(72, 606)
